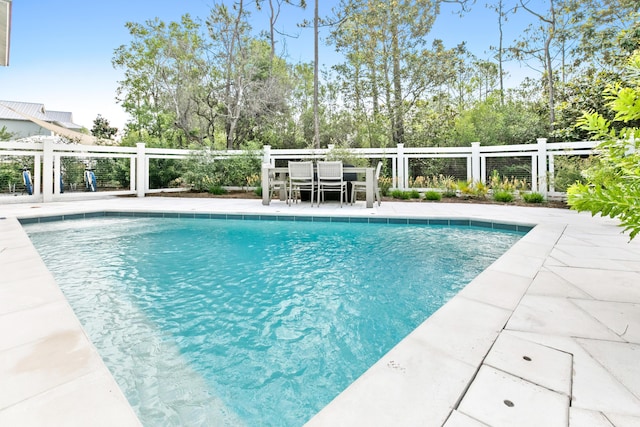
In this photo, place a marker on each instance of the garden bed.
(241, 194)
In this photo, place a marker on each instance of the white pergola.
(5, 31)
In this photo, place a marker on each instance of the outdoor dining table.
(269, 170)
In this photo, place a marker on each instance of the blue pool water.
(213, 322)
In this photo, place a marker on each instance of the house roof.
(38, 111)
(65, 118)
(29, 108)
(37, 114)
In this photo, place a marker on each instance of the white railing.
(46, 163)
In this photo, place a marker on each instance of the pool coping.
(439, 362)
(459, 222)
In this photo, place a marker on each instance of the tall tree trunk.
(549, 66)
(398, 122)
(500, 50)
(232, 108)
(272, 35)
(316, 119)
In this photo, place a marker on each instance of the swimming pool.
(252, 322)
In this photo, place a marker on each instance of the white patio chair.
(361, 186)
(277, 185)
(300, 178)
(330, 178)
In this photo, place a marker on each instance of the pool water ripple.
(252, 322)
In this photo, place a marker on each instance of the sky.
(61, 51)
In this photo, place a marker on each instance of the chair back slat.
(330, 170)
(300, 170)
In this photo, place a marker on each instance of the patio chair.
(277, 185)
(330, 178)
(361, 186)
(300, 179)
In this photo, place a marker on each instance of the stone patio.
(548, 335)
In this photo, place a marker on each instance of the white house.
(16, 117)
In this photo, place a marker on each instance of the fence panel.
(59, 170)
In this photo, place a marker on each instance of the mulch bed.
(559, 204)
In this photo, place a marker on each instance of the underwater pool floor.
(549, 334)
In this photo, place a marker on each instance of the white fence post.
(57, 174)
(47, 171)
(141, 170)
(402, 171)
(552, 174)
(266, 154)
(37, 173)
(475, 162)
(542, 166)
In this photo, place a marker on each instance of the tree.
(387, 57)
(316, 78)
(570, 36)
(163, 72)
(613, 187)
(500, 51)
(275, 7)
(537, 42)
(5, 135)
(102, 129)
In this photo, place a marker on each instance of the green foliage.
(568, 171)
(402, 195)
(347, 157)
(204, 172)
(613, 186)
(493, 123)
(503, 196)
(384, 184)
(432, 195)
(533, 197)
(101, 128)
(506, 184)
(165, 173)
(470, 189)
(5, 135)
(10, 173)
(111, 172)
(586, 92)
(414, 194)
(217, 190)
(209, 82)
(72, 170)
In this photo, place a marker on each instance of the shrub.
(217, 190)
(503, 196)
(384, 184)
(414, 194)
(568, 171)
(533, 197)
(496, 182)
(399, 194)
(449, 193)
(433, 195)
(204, 171)
(418, 182)
(469, 189)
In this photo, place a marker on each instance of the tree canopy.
(221, 83)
